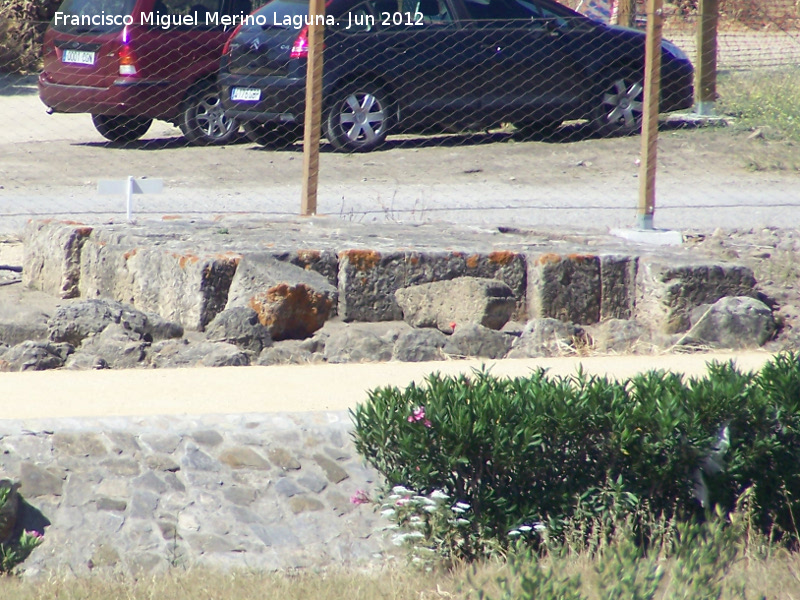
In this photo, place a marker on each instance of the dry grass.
(775, 577)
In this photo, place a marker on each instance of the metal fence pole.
(706, 74)
(313, 113)
(626, 11)
(652, 89)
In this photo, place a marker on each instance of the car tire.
(203, 120)
(620, 107)
(536, 130)
(272, 134)
(117, 128)
(358, 118)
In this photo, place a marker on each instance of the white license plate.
(80, 57)
(246, 94)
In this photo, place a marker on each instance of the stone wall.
(263, 491)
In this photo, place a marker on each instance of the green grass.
(766, 100)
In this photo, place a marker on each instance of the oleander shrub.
(534, 450)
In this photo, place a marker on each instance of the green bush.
(533, 450)
(22, 25)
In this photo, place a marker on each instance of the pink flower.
(34, 534)
(417, 415)
(360, 497)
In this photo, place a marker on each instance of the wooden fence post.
(313, 112)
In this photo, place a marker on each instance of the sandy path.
(236, 390)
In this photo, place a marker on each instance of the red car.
(127, 62)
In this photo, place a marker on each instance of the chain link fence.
(468, 110)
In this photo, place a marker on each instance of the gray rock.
(667, 293)
(75, 322)
(488, 302)
(290, 352)
(544, 337)
(472, 339)
(731, 322)
(564, 287)
(419, 345)
(619, 335)
(120, 348)
(173, 354)
(19, 324)
(239, 326)
(31, 356)
(290, 301)
(84, 361)
(359, 342)
(52, 257)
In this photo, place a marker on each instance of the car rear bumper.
(282, 98)
(677, 86)
(124, 97)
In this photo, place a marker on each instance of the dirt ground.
(707, 178)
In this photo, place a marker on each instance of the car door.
(531, 71)
(429, 60)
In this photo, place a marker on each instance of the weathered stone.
(360, 342)
(667, 292)
(288, 352)
(199, 460)
(178, 282)
(276, 535)
(116, 346)
(419, 345)
(161, 442)
(241, 495)
(150, 481)
(472, 339)
(291, 302)
(123, 467)
(368, 279)
(617, 286)
(287, 487)
(31, 356)
(301, 504)
(313, 482)
(79, 444)
(174, 354)
(143, 504)
(73, 323)
(566, 288)
(52, 257)
(544, 337)
(207, 437)
(19, 324)
(333, 472)
(112, 504)
(283, 459)
(240, 326)
(243, 458)
(731, 322)
(36, 481)
(619, 335)
(487, 302)
(84, 361)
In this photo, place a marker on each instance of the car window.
(508, 10)
(83, 10)
(359, 19)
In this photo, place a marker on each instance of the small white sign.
(80, 57)
(128, 187)
(246, 94)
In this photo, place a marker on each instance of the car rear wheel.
(203, 120)
(121, 129)
(358, 119)
(619, 111)
(272, 134)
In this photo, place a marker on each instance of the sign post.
(652, 92)
(313, 113)
(626, 11)
(128, 187)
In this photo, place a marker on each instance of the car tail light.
(300, 46)
(227, 47)
(127, 58)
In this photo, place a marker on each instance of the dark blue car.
(410, 65)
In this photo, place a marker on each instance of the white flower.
(414, 535)
(514, 533)
(462, 505)
(431, 508)
(525, 528)
(540, 527)
(462, 522)
(404, 491)
(458, 511)
(388, 513)
(439, 495)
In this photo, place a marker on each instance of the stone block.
(487, 302)
(51, 260)
(731, 322)
(617, 286)
(292, 302)
(368, 279)
(564, 287)
(666, 292)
